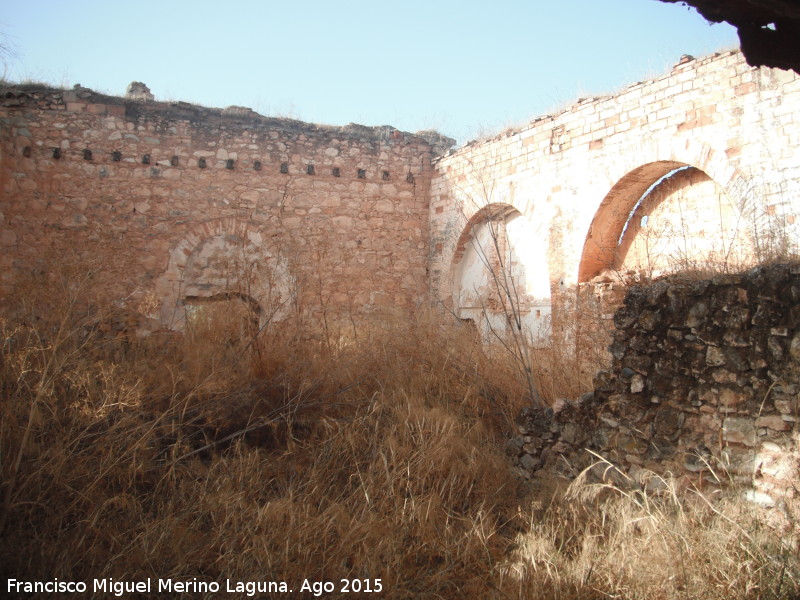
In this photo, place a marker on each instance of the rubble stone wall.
(705, 384)
(177, 203)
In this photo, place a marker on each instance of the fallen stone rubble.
(704, 386)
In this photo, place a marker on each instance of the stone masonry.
(169, 205)
(704, 385)
(181, 203)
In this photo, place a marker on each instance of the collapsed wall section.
(179, 203)
(704, 384)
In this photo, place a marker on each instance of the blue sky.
(465, 67)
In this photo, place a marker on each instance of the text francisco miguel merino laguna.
(249, 588)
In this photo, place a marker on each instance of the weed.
(376, 455)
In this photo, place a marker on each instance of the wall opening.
(685, 223)
(501, 280)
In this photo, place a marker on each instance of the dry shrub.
(560, 373)
(280, 456)
(286, 455)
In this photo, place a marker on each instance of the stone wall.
(181, 203)
(704, 384)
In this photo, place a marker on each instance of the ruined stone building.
(174, 204)
(168, 206)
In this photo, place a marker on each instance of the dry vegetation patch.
(282, 456)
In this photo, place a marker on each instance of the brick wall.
(575, 175)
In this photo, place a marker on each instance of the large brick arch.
(599, 250)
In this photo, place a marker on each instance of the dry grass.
(376, 455)
(607, 541)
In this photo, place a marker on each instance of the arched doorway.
(500, 276)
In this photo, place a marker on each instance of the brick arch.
(599, 250)
(674, 182)
(477, 296)
(493, 211)
(178, 283)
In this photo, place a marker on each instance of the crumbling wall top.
(139, 103)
